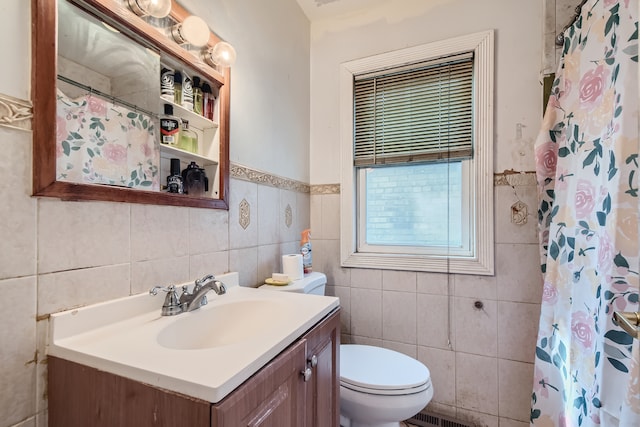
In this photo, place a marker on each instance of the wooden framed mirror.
(89, 132)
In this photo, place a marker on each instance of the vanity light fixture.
(192, 30)
(155, 8)
(222, 54)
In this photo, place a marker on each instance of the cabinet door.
(323, 388)
(81, 396)
(273, 397)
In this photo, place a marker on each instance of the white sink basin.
(239, 331)
(208, 327)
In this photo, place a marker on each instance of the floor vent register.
(427, 419)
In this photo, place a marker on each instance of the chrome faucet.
(189, 301)
(198, 297)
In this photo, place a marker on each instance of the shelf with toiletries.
(196, 120)
(189, 139)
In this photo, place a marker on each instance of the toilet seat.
(380, 371)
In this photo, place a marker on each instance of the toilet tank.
(312, 283)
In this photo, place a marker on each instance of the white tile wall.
(366, 314)
(17, 353)
(159, 232)
(159, 272)
(268, 215)
(399, 316)
(514, 399)
(81, 235)
(68, 289)
(486, 375)
(476, 330)
(477, 383)
(442, 366)
(17, 232)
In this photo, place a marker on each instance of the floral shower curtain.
(587, 369)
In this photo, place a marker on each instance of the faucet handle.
(184, 297)
(172, 304)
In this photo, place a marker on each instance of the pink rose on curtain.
(549, 293)
(581, 327)
(546, 159)
(115, 153)
(584, 199)
(606, 252)
(97, 106)
(592, 86)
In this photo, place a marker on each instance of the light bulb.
(222, 54)
(155, 8)
(192, 30)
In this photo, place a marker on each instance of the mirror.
(99, 108)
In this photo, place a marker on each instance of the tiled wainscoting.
(481, 359)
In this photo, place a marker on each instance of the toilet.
(378, 387)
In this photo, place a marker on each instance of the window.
(416, 138)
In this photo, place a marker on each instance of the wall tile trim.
(509, 178)
(15, 113)
(252, 175)
(514, 178)
(325, 189)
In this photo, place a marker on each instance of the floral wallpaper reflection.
(99, 142)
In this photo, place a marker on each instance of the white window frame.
(481, 260)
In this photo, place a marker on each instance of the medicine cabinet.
(96, 68)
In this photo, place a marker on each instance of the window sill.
(479, 265)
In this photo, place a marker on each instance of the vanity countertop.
(204, 354)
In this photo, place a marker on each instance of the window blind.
(415, 114)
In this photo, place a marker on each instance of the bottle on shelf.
(208, 101)
(188, 138)
(187, 92)
(166, 84)
(175, 183)
(169, 127)
(177, 88)
(197, 96)
(195, 180)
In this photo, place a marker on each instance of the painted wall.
(480, 359)
(57, 255)
(270, 84)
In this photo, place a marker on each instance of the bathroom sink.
(208, 327)
(220, 345)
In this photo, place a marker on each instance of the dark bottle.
(174, 180)
(208, 101)
(177, 88)
(169, 127)
(197, 96)
(195, 180)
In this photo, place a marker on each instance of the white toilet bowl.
(380, 387)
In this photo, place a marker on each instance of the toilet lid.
(381, 371)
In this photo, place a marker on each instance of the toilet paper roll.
(292, 266)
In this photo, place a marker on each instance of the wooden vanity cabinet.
(323, 387)
(275, 396)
